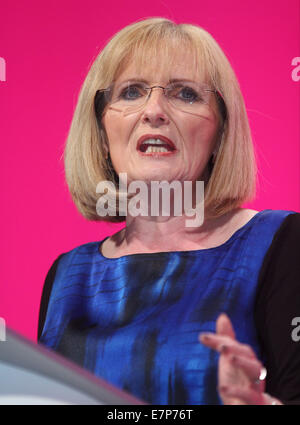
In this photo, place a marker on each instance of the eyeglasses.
(187, 96)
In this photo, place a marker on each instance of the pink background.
(48, 47)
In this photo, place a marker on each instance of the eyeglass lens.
(187, 96)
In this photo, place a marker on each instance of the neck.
(154, 234)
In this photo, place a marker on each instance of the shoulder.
(288, 232)
(282, 257)
(85, 250)
(280, 271)
(242, 216)
(265, 222)
(80, 254)
(277, 222)
(291, 224)
(287, 239)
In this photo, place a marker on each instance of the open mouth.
(156, 146)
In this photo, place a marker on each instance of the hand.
(240, 374)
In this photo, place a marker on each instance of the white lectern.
(32, 374)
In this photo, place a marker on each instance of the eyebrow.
(141, 80)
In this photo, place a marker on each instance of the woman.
(162, 103)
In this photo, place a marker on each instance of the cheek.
(117, 132)
(110, 129)
(203, 135)
(113, 135)
(117, 129)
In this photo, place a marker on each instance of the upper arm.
(47, 288)
(277, 303)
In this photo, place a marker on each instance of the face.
(193, 137)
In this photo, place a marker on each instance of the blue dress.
(135, 320)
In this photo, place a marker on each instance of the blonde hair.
(233, 176)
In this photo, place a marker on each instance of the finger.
(246, 395)
(224, 344)
(251, 367)
(224, 326)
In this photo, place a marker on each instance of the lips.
(166, 143)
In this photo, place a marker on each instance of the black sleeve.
(277, 303)
(46, 295)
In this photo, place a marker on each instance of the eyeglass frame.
(220, 100)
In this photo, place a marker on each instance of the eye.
(132, 92)
(184, 93)
(188, 94)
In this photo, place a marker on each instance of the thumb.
(224, 326)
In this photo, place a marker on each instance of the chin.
(158, 177)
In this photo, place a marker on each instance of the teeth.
(152, 142)
(151, 149)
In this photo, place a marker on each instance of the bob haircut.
(233, 171)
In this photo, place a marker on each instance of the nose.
(154, 110)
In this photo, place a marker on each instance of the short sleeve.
(277, 304)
